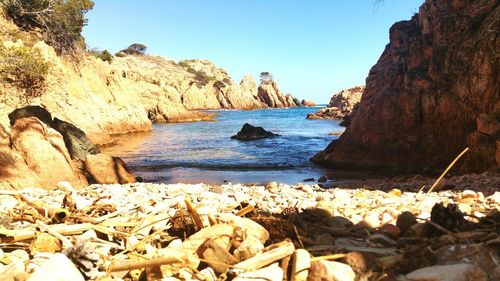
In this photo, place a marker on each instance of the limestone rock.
(341, 104)
(105, 169)
(454, 272)
(424, 87)
(249, 132)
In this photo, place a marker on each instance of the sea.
(203, 152)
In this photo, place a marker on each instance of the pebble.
(270, 273)
(372, 220)
(331, 271)
(55, 267)
(322, 179)
(468, 194)
(454, 272)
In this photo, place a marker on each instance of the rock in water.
(249, 132)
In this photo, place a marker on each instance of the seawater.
(204, 151)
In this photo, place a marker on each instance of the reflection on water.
(203, 151)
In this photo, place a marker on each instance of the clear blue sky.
(313, 48)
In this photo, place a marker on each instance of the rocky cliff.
(341, 104)
(132, 92)
(433, 92)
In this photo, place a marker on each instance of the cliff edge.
(433, 92)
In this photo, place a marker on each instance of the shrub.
(200, 77)
(135, 49)
(61, 21)
(25, 69)
(103, 55)
(219, 84)
(120, 54)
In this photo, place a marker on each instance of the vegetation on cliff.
(24, 69)
(60, 21)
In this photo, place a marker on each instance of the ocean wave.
(217, 167)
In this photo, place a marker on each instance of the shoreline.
(123, 222)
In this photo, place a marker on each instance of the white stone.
(56, 267)
(454, 272)
(270, 273)
(330, 271)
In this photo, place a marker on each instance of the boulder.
(424, 102)
(31, 111)
(77, 142)
(249, 132)
(104, 169)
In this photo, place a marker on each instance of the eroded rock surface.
(341, 104)
(249, 132)
(433, 92)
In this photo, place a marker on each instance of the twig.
(447, 169)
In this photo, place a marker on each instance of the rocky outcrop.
(341, 104)
(249, 132)
(269, 93)
(433, 92)
(306, 103)
(43, 152)
(131, 93)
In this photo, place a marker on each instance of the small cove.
(203, 151)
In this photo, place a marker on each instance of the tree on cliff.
(266, 77)
(135, 49)
(61, 21)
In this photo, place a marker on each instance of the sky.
(314, 48)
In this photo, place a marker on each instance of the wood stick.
(131, 265)
(27, 234)
(301, 265)
(329, 257)
(270, 255)
(245, 211)
(65, 241)
(447, 169)
(285, 262)
(194, 214)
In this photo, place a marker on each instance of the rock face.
(270, 94)
(40, 152)
(433, 92)
(249, 132)
(341, 104)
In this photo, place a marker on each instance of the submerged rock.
(249, 132)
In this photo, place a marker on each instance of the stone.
(31, 111)
(46, 243)
(77, 142)
(454, 272)
(372, 219)
(341, 104)
(407, 94)
(105, 169)
(322, 179)
(249, 132)
(269, 93)
(331, 271)
(54, 267)
(270, 273)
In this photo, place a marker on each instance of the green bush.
(61, 21)
(103, 55)
(200, 77)
(135, 49)
(25, 69)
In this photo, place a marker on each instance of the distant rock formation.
(341, 104)
(40, 152)
(434, 91)
(307, 103)
(249, 132)
(270, 94)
